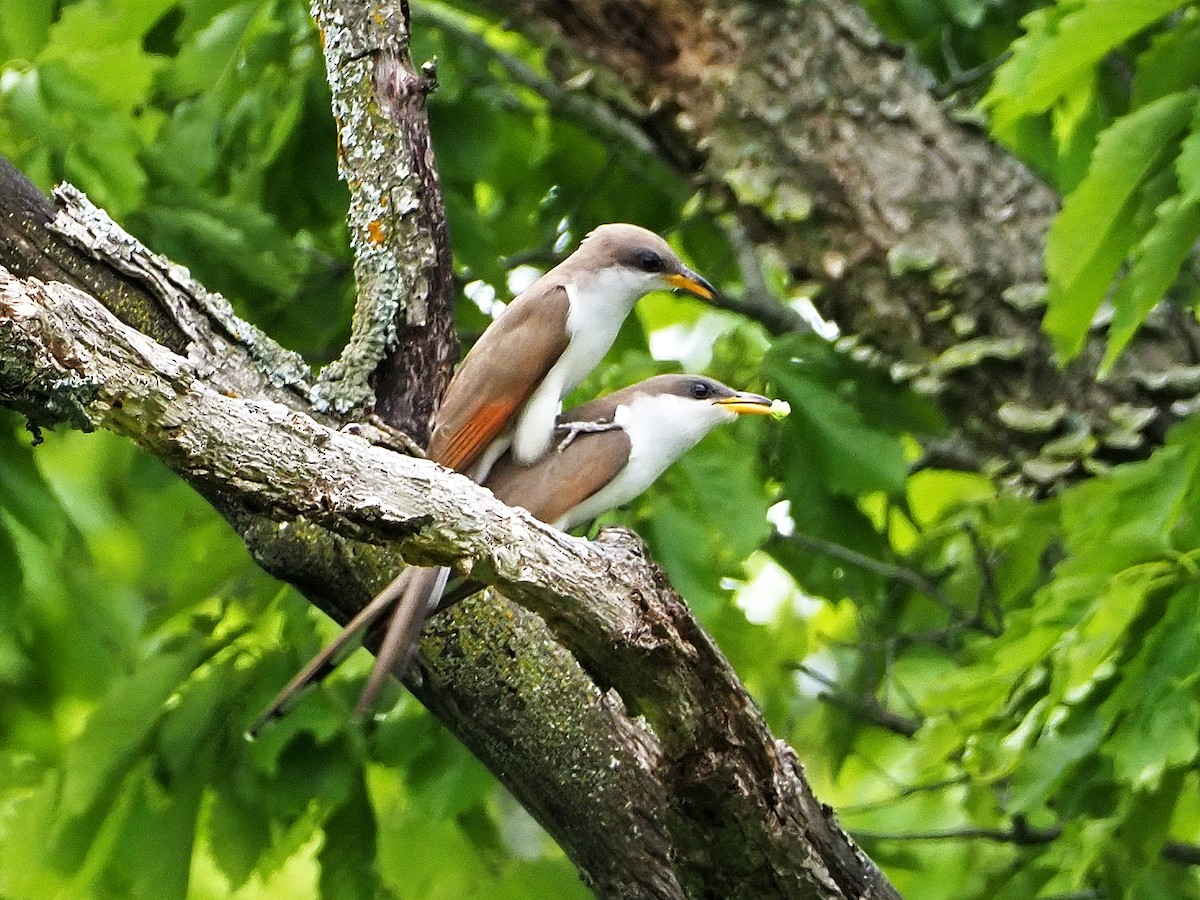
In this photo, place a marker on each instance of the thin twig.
(910, 577)
(868, 707)
(593, 116)
(904, 793)
(757, 302)
(1020, 835)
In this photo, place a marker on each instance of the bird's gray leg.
(574, 429)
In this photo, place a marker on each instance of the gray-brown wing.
(563, 479)
(503, 368)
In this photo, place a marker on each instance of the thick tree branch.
(655, 755)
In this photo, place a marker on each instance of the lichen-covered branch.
(402, 347)
(924, 238)
(639, 779)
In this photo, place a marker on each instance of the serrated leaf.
(195, 724)
(1091, 235)
(680, 544)
(1156, 265)
(102, 44)
(1159, 699)
(1050, 760)
(845, 452)
(238, 834)
(735, 513)
(1095, 642)
(117, 730)
(152, 851)
(347, 856)
(1060, 53)
(817, 512)
(1187, 163)
(1127, 516)
(1170, 64)
(204, 57)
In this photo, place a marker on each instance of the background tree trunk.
(924, 239)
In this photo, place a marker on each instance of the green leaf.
(1059, 54)
(1171, 63)
(152, 851)
(1050, 760)
(1012, 78)
(735, 513)
(28, 818)
(101, 43)
(116, 732)
(24, 26)
(1187, 163)
(24, 493)
(1094, 230)
(347, 856)
(526, 879)
(845, 452)
(1092, 647)
(14, 664)
(1157, 261)
(1127, 517)
(198, 721)
(238, 834)
(681, 545)
(208, 52)
(1159, 699)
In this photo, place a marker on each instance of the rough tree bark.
(611, 715)
(924, 238)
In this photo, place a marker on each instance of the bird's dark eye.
(700, 390)
(649, 261)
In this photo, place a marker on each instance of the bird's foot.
(574, 429)
(381, 434)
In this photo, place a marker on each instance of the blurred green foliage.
(951, 661)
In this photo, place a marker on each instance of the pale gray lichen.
(1132, 418)
(964, 324)
(1047, 471)
(971, 353)
(1122, 439)
(906, 256)
(757, 186)
(1030, 420)
(1176, 378)
(903, 370)
(944, 278)
(1025, 295)
(1077, 442)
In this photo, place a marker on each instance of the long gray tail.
(420, 593)
(325, 658)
